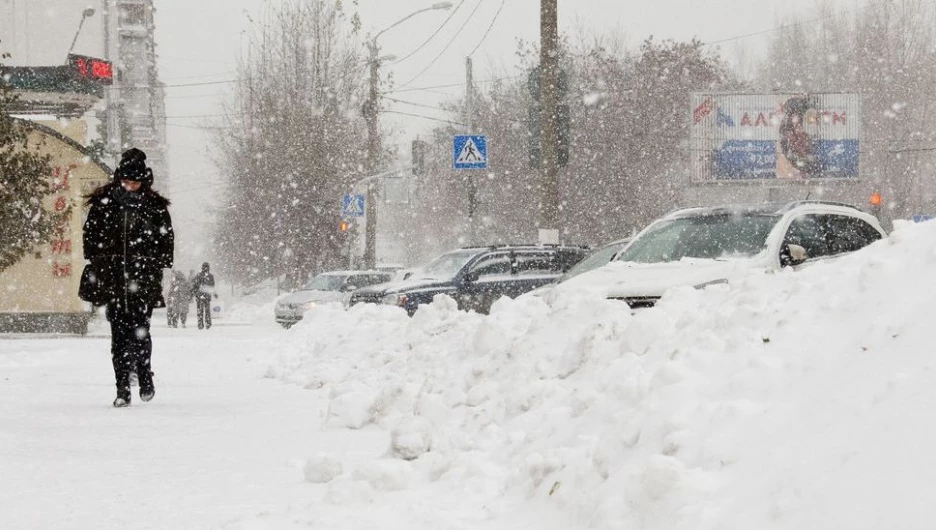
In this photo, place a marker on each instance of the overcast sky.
(199, 41)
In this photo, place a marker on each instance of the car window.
(598, 258)
(366, 280)
(851, 234)
(866, 232)
(323, 282)
(566, 258)
(493, 265)
(713, 236)
(447, 265)
(813, 233)
(537, 263)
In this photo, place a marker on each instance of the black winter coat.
(203, 285)
(129, 238)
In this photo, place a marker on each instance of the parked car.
(476, 277)
(598, 258)
(335, 286)
(705, 246)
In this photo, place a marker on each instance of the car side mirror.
(792, 255)
(472, 277)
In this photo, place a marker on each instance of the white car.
(334, 287)
(704, 246)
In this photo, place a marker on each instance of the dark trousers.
(175, 313)
(203, 309)
(131, 346)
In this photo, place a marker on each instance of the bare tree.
(292, 142)
(884, 52)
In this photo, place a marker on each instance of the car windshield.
(325, 282)
(718, 236)
(596, 259)
(446, 266)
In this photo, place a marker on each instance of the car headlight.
(394, 299)
(713, 282)
(308, 305)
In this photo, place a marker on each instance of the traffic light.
(875, 202)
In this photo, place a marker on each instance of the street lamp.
(88, 12)
(371, 112)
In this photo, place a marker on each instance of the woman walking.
(129, 239)
(178, 299)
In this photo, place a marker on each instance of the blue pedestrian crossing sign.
(470, 152)
(352, 206)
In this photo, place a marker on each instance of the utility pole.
(371, 111)
(373, 156)
(470, 113)
(549, 68)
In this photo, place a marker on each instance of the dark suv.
(475, 277)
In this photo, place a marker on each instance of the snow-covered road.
(219, 443)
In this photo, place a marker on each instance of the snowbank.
(249, 308)
(786, 400)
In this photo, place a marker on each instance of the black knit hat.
(132, 166)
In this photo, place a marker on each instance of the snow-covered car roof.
(354, 273)
(768, 208)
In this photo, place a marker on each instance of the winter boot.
(147, 388)
(123, 397)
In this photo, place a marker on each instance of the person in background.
(203, 288)
(180, 296)
(128, 234)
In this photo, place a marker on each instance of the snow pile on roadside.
(255, 307)
(788, 400)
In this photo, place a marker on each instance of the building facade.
(136, 101)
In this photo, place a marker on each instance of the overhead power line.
(202, 83)
(450, 85)
(424, 117)
(202, 76)
(436, 32)
(447, 46)
(193, 116)
(414, 104)
(777, 28)
(493, 20)
(198, 127)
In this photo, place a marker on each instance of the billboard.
(774, 136)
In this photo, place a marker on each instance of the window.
(133, 14)
(598, 258)
(850, 234)
(829, 235)
(714, 236)
(446, 266)
(324, 282)
(867, 233)
(366, 280)
(537, 264)
(493, 265)
(812, 233)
